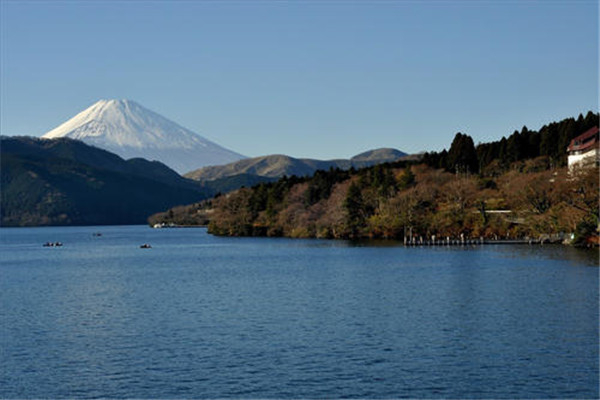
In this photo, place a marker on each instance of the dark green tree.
(354, 210)
(462, 157)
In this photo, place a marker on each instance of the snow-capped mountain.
(126, 128)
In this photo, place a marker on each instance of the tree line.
(493, 190)
(550, 141)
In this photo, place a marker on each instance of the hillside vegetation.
(66, 182)
(514, 192)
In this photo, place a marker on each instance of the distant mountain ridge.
(278, 165)
(66, 182)
(379, 155)
(130, 130)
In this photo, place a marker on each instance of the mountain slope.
(230, 183)
(275, 166)
(66, 182)
(379, 155)
(126, 128)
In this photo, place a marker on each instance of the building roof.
(585, 141)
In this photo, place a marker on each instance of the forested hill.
(514, 195)
(549, 141)
(66, 182)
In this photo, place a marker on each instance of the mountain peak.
(130, 130)
(384, 154)
(116, 103)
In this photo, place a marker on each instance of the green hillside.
(493, 190)
(66, 182)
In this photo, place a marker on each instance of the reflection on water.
(202, 316)
(575, 257)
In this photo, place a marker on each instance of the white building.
(584, 150)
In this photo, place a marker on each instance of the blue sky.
(321, 79)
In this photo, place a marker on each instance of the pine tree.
(354, 208)
(462, 156)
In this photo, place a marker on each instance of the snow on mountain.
(126, 128)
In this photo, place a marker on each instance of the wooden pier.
(462, 241)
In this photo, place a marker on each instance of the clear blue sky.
(321, 79)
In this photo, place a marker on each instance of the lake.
(198, 316)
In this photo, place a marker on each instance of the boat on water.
(145, 246)
(52, 244)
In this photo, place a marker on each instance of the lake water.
(198, 316)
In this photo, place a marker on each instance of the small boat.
(52, 244)
(145, 246)
(97, 234)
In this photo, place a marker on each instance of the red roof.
(585, 141)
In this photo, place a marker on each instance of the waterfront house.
(584, 150)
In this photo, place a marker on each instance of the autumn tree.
(407, 179)
(233, 215)
(583, 195)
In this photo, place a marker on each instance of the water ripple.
(206, 317)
